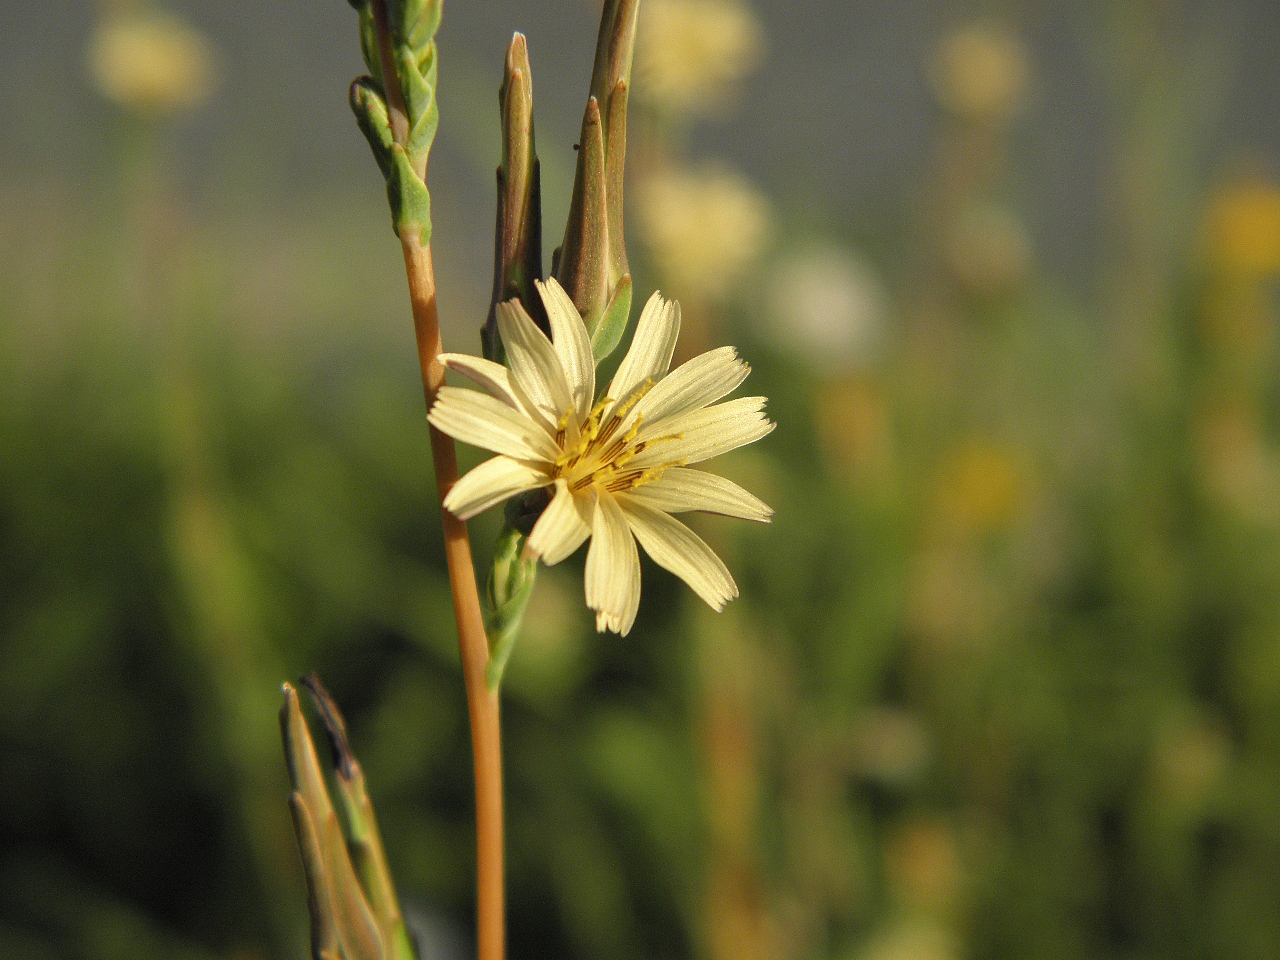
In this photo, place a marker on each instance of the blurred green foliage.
(1003, 682)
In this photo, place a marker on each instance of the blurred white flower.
(705, 229)
(690, 54)
(615, 468)
(827, 305)
(151, 62)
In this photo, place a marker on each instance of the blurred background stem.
(215, 609)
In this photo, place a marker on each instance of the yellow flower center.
(599, 455)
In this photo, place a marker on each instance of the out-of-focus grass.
(1004, 679)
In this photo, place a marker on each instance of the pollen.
(598, 457)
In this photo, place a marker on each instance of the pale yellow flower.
(706, 228)
(691, 54)
(981, 73)
(615, 469)
(153, 63)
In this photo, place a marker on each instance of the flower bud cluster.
(395, 105)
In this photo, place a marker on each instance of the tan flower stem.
(482, 703)
(396, 113)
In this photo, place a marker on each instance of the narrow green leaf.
(409, 199)
(370, 108)
(613, 322)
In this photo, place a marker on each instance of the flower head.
(615, 469)
(694, 53)
(152, 63)
(705, 228)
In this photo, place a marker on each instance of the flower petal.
(484, 421)
(680, 489)
(739, 407)
(572, 344)
(483, 373)
(490, 483)
(561, 528)
(703, 434)
(649, 356)
(700, 381)
(536, 374)
(613, 569)
(675, 547)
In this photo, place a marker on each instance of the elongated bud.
(360, 825)
(354, 911)
(583, 269)
(395, 105)
(507, 593)
(517, 258)
(592, 263)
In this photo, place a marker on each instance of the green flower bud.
(518, 232)
(354, 911)
(406, 192)
(592, 263)
(399, 115)
(511, 580)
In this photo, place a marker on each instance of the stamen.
(598, 410)
(626, 407)
(621, 483)
(655, 473)
(635, 429)
(584, 463)
(641, 447)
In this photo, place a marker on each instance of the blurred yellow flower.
(1236, 466)
(853, 424)
(1191, 757)
(913, 940)
(705, 228)
(690, 54)
(152, 63)
(979, 489)
(981, 73)
(1242, 228)
(922, 865)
